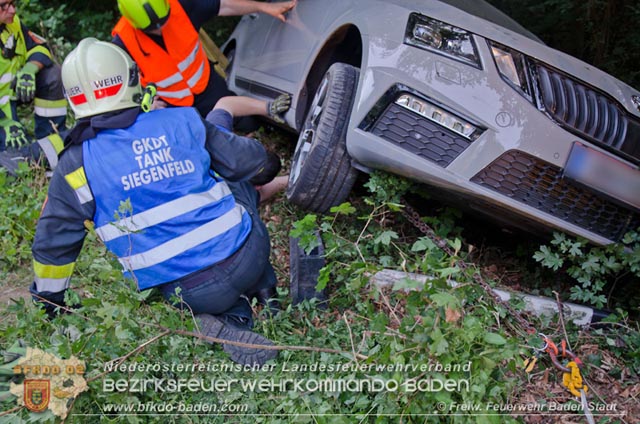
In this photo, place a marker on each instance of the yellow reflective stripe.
(4, 100)
(51, 145)
(57, 142)
(52, 278)
(187, 241)
(53, 271)
(50, 108)
(6, 78)
(39, 49)
(78, 181)
(54, 141)
(77, 178)
(50, 103)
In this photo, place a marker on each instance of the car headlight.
(430, 34)
(513, 68)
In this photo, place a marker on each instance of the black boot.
(213, 326)
(267, 297)
(10, 161)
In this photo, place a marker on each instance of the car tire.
(230, 55)
(321, 173)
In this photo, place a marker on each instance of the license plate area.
(605, 174)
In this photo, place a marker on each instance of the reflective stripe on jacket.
(10, 67)
(178, 72)
(159, 207)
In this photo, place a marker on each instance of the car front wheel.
(321, 173)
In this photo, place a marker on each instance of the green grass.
(435, 334)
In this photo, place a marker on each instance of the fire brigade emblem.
(36, 395)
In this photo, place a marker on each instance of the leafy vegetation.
(455, 334)
(64, 23)
(403, 341)
(19, 211)
(592, 267)
(603, 33)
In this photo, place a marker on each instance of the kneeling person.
(193, 222)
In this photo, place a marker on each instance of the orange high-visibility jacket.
(178, 72)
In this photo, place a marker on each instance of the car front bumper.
(516, 162)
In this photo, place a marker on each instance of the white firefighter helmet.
(100, 77)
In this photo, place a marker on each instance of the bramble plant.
(456, 342)
(592, 267)
(25, 194)
(434, 323)
(408, 339)
(409, 324)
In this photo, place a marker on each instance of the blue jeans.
(216, 290)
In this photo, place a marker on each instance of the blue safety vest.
(159, 207)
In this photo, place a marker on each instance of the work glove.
(26, 82)
(14, 133)
(10, 359)
(278, 106)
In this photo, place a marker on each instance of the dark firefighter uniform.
(198, 223)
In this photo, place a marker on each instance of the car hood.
(490, 23)
(478, 8)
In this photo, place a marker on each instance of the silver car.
(453, 94)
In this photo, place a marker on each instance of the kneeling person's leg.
(50, 112)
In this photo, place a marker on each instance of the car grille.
(419, 135)
(588, 112)
(538, 184)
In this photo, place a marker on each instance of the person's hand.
(278, 106)
(158, 104)
(26, 82)
(279, 10)
(14, 134)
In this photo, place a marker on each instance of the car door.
(290, 43)
(277, 60)
(251, 31)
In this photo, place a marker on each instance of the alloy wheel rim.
(307, 136)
